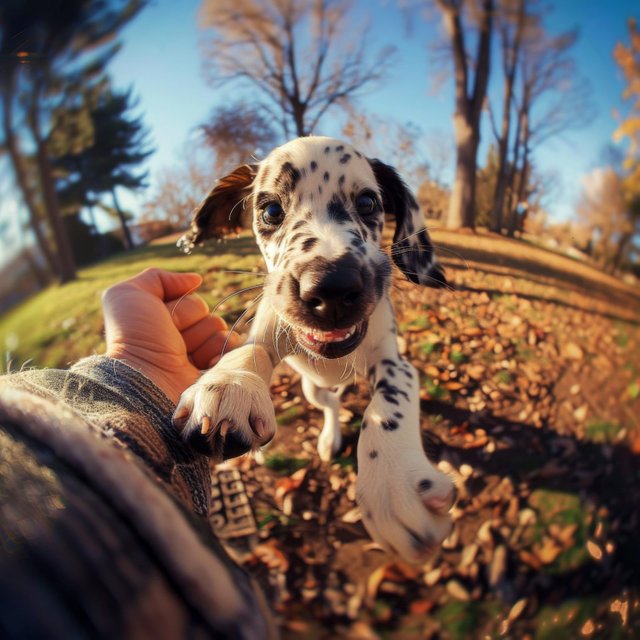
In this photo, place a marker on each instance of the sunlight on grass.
(64, 323)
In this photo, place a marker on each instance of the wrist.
(150, 370)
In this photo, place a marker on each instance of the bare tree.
(550, 98)
(511, 26)
(606, 212)
(302, 56)
(179, 189)
(471, 76)
(238, 133)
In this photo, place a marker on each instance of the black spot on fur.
(320, 188)
(341, 180)
(288, 177)
(314, 165)
(337, 212)
(397, 414)
(345, 158)
(391, 373)
(326, 176)
(390, 390)
(373, 454)
(340, 148)
(389, 425)
(364, 425)
(389, 363)
(309, 243)
(327, 149)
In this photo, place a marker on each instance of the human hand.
(155, 323)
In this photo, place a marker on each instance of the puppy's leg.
(330, 439)
(404, 499)
(229, 411)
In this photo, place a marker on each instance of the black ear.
(412, 250)
(224, 210)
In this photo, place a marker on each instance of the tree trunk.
(23, 183)
(621, 247)
(126, 233)
(520, 194)
(466, 120)
(463, 195)
(65, 253)
(503, 143)
(502, 177)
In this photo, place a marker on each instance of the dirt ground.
(531, 400)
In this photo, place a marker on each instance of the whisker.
(398, 251)
(181, 298)
(236, 293)
(238, 320)
(243, 272)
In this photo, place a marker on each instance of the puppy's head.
(318, 208)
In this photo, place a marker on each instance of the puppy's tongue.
(337, 335)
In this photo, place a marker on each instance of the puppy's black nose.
(334, 296)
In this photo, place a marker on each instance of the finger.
(201, 331)
(166, 285)
(187, 311)
(211, 349)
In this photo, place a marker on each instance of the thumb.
(167, 285)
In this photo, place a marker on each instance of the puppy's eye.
(273, 214)
(366, 203)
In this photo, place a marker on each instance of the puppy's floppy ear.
(224, 210)
(412, 250)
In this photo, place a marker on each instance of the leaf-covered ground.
(530, 399)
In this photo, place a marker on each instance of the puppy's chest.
(329, 373)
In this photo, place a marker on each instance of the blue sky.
(161, 61)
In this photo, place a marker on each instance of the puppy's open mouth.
(331, 344)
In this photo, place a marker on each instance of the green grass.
(602, 431)
(562, 510)
(463, 620)
(429, 347)
(564, 621)
(290, 414)
(434, 389)
(284, 464)
(64, 322)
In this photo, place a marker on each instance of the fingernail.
(205, 427)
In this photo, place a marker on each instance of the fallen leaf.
(594, 550)
(352, 516)
(421, 607)
(458, 591)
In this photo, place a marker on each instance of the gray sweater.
(103, 530)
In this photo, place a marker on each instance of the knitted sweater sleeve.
(102, 515)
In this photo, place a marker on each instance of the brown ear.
(412, 250)
(224, 210)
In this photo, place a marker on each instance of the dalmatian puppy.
(317, 208)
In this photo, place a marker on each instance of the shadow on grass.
(605, 478)
(528, 268)
(567, 305)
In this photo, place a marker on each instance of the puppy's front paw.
(404, 503)
(226, 414)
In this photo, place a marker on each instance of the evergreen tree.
(49, 53)
(101, 149)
